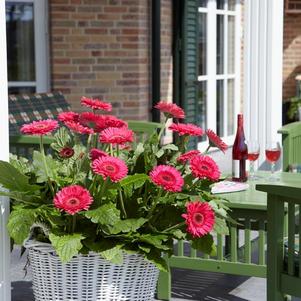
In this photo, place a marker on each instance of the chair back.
(291, 141)
(283, 243)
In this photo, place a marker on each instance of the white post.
(263, 39)
(5, 294)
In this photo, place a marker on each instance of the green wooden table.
(243, 252)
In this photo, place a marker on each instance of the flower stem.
(122, 204)
(152, 209)
(111, 150)
(45, 164)
(207, 149)
(162, 130)
(73, 223)
(103, 188)
(174, 227)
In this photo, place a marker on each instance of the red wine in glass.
(272, 153)
(253, 156)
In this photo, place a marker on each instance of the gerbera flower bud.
(111, 167)
(40, 128)
(204, 167)
(167, 177)
(73, 199)
(66, 152)
(199, 218)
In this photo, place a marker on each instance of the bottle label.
(235, 169)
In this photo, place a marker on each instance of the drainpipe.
(156, 57)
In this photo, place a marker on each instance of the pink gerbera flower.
(106, 121)
(188, 156)
(97, 153)
(88, 118)
(186, 129)
(170, 110)
(96, 104)
(68, 116)
(216, 141)
(116, 135)
(40, 128)
(111, 167)
(73, 199)
(167, 177)
(66, 152)
(78, 128)
(199, 218)
(204, 167)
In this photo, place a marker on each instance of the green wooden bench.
(284, 254)
(291, 141)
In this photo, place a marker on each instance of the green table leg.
(164, 286)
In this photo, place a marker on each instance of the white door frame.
(5, 294)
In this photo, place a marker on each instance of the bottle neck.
(240, 121)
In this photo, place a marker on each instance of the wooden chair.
(291, 141)
(284, 260)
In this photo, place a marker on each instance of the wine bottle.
(239, 153)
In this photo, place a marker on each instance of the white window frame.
(41, 44)
(212, 76)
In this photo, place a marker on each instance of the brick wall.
(291, 53)
(101, 48)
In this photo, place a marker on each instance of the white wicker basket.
(89, 277)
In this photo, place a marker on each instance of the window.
(218, 66)
(27, 51)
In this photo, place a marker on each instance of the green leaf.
(19, 223)
(114, 255)
(220, 226)
(13, 180)
(136, 180)
(106, 214)
(40, 170)
(155, 240)
(178, 234)
(205, 244)
(160, 153)
(170, 147)
(22, 197)
(128, 225)
(155, 257)
(66, 246)
(62, 139)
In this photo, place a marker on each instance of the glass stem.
(273, 168)
(252, 169)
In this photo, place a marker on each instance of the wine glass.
(253, 154)
(272, 153)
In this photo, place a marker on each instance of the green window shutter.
(189, 61)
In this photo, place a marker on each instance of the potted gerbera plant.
(98, 213)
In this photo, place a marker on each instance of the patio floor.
(187, 285)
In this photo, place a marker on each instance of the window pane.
(230, 107)
(231, 44)
(220, 44)
(220, 107)
(201, 106)
(231, 4)
(203, 3)
(21, 90)
(20, 41)
(220, 4)
(202, 43)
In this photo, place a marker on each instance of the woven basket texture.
(90, 277)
